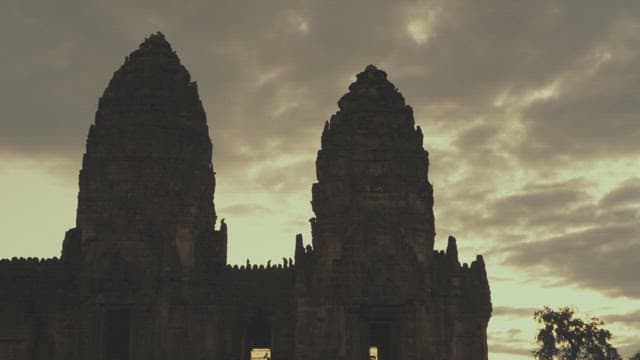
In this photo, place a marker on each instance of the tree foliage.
(566, 337)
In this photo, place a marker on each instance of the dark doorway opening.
(258, 338)
(380, 341)
(117, 328)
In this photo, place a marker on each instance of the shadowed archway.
(258, 335)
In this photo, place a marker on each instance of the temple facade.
(144, 273)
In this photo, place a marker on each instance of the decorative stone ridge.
(144, 274)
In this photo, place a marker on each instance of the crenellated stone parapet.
(286, 265)
(31, 275)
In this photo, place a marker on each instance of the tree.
(565, 337)
(636, 356)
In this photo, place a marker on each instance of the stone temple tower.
(372, 274)
(373, 197)
(147, 182)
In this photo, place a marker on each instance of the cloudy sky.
(530, 112)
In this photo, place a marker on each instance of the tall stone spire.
(147, 180)
(372, 184)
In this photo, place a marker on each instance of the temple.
(144, 273)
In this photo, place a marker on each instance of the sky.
(529, 110)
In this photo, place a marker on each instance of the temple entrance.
(117, 328)
(258, 338)
(380, 341)
(260, 354)
(373, 353)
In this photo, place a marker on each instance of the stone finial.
(371, 71)
(299, 254)
(156, 41)
(370, 92)
(452, 249)
(479, 267)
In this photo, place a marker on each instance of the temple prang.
(144, 273)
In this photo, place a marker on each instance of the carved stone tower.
(372, 274)
(372, 194)
(147, 182)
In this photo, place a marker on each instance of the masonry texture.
(144, 273)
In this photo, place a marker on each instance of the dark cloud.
(514, 332)
(630, 319)
(562, 233)
(286, 178)
(244, 209)
(513, 311)
(529, 206)
(506, 348)
(598, 100)
(509, 341)
(539, 208)
(270, 74)
(603, 257)
(477, 138)
(631, 346)
(471, 203)
(628, 193)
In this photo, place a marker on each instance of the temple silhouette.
(144, 273)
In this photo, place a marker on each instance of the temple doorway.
(258, 338)
(260, 353)
(373, 353)
(380, 341)
(117, 328)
